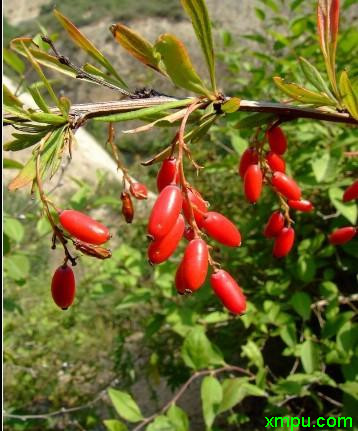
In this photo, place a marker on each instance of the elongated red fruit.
(195, 264)
(302, 205)
(249, 157)
(228, 291)
(275, 162)
(138, 190)
(253, 183)
(286, 186)
(284, 242)
(221, 229)
(63, 287)
(277, 140)
(180, 283)
(275, 224)
(167, 173)
(342, 235)
(84, 227)
(161, 249)
(351, 192)
(200, 207)
(165, 211)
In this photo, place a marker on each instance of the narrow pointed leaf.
(302, 94)
(171, 118)
(84, 43)
(38, 99)
(43, 117)
(158, 157)
(12, 164)
(350, 97)
(314, 77)
(9, 98)
(198, 13)
(93, 70)
(15, 62)
(178, 64)
(144, 112)
(139, 47)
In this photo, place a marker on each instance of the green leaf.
(24, 140)
(10, 99)
(288, 334)
(254, 120)
(350, 388)
(309, 354)
(178, 418)
(13, 61)
(13, 229)
(114, 425)
(235, 390)
(350, 97)
(43, 78)
(301, 303)
(43, 117)
(125, 406)
(314, 77)
(306, 268)
(81, 40)
(320, 166)
(161, 423)
(302, 94)
(211, 396)
(16, 266)
(12, 164)
(38, 99)
(348, 210)
(198, 13)
(178, 65)
(198, 352)
(251, 351)
(231, 105)
(142, 113)
(139, 47)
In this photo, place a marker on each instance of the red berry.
(138, 190)
(221, 229)
(63, 287)
(274, 225)
(275, 162)
(253, 183)
(189, 233)
(200, 207)
(249, 157)
(127, 207)
(277, 140)
(351, 192)
(302, 205)
(342, 235)
(284, 242)
(84, 227)
(165, 211)
(161, 249)
(180, 283)
(167, 173)
(229, 292)
(195, 264)
(286, 186)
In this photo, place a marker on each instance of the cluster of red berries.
(180, 211)
(343, 235)
(258, 167)
(174, 208)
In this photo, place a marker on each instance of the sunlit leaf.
(302, 94)
(13, 61)
(84, 43)
(125, 406)
(211, 396)
(178, 418)
(350, 97)
(198, 13)
(47, 118)
(178, 64)
(9, 98)
(314, 77)
(309, 356)
(38, 99)
(114, 425)
(349, 210)
(136, 45)
(12, 164)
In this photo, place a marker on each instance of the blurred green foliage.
(128, 326)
